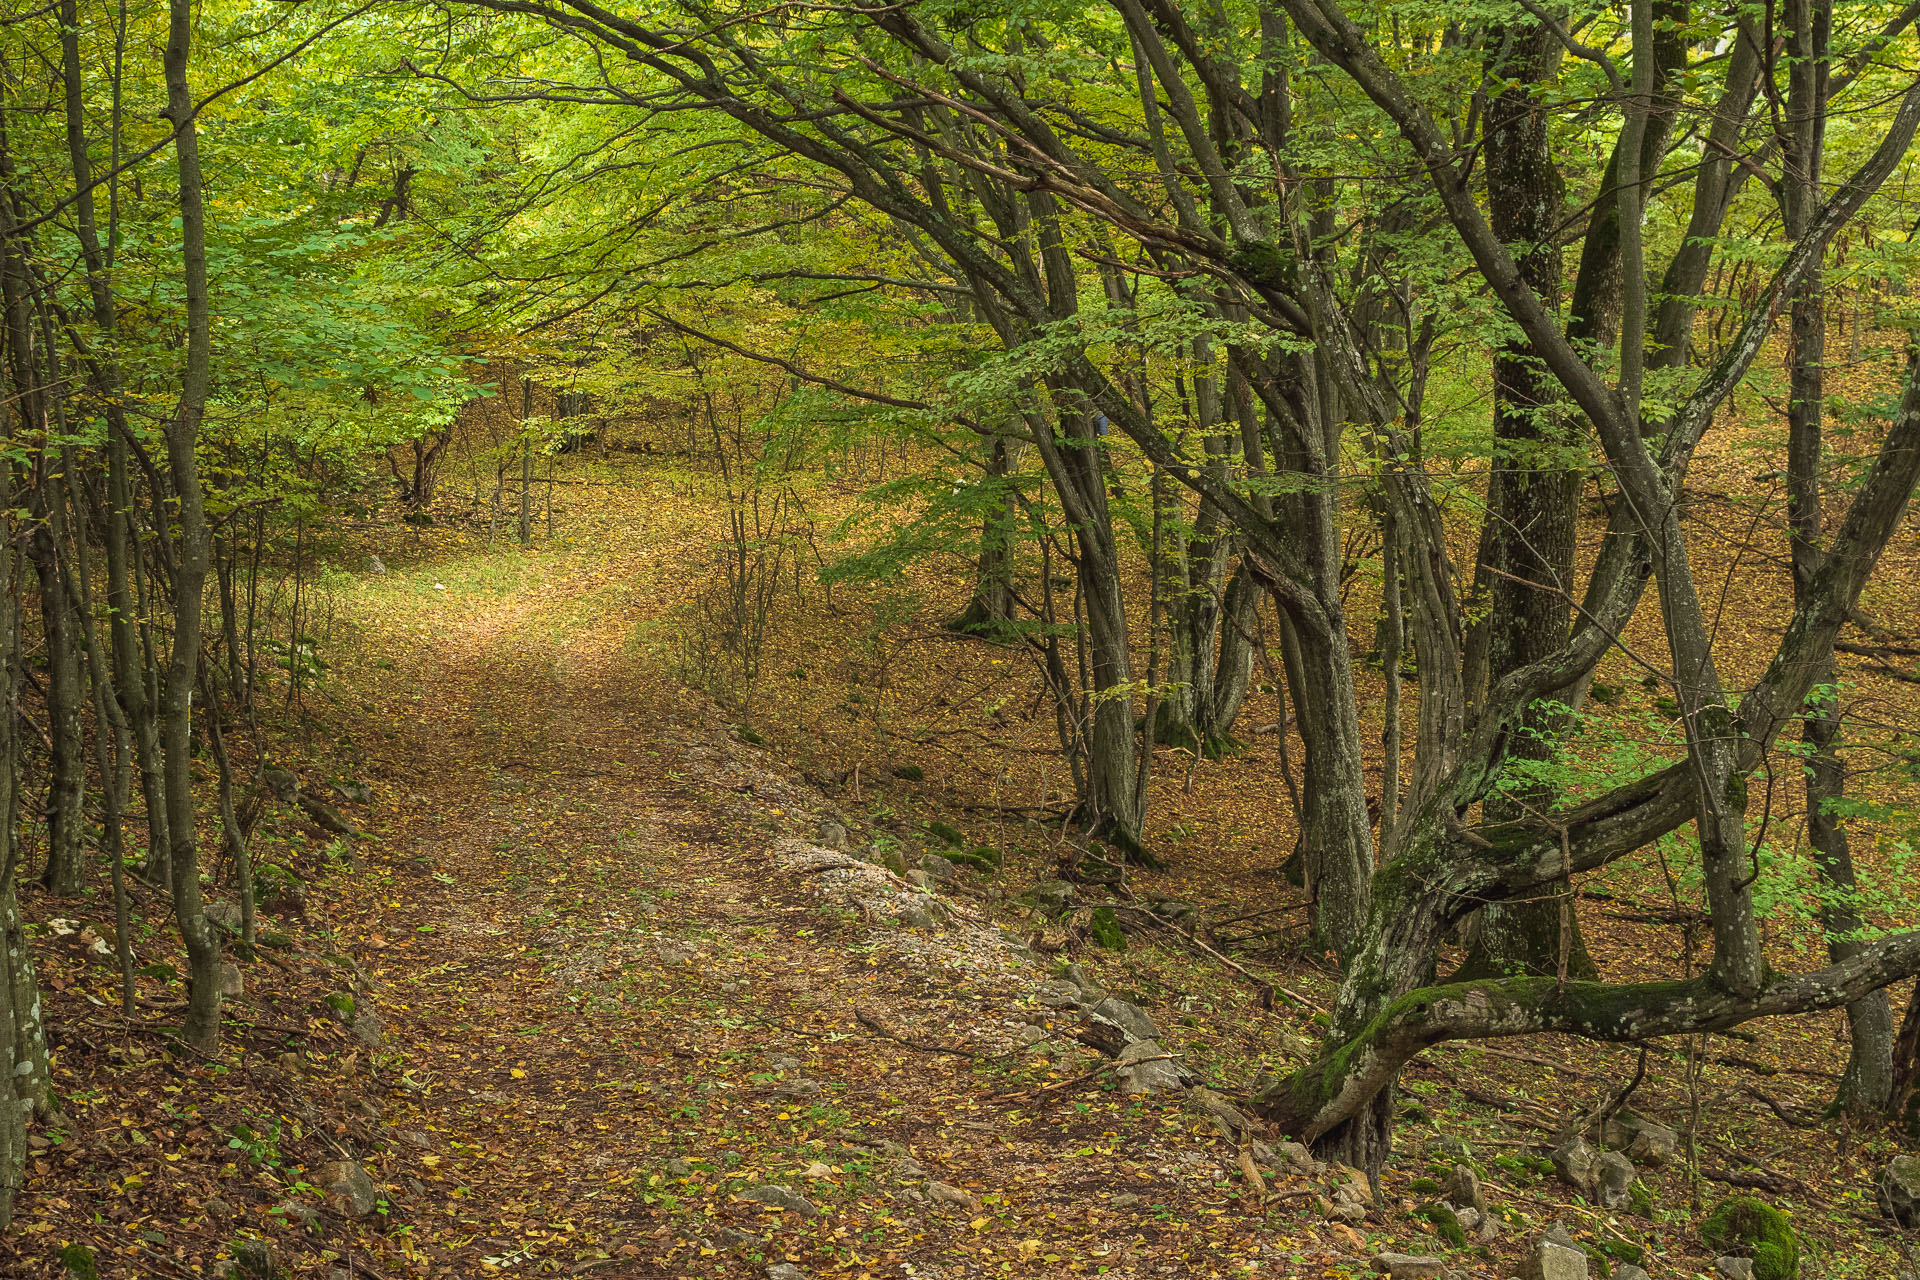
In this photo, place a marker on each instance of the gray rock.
(785, 1271)
(231, 983)
(349, 1191)
(734, 1238)
(1225, 1116)
(290, 1061)
(255, 1260)
(778, 1195)
(1407, 1266)
(946, 1193)
(297, 1212)
(1463, 1190)
(1627, 1271)
(1613, 1178)
(1898, 1190)
(1348, 1212)
(782, 1062)
(1468, 1217)
(368, 1031)
(1125, 1200)
(1551, 1260)
(1144, 1067)
(225, 914)
(1576, 1161)
(1733, 1268)
(1058, 994)
(938, 867)
(833, 836)
(915, 916)
(1133, 1023)
(1298, 1158)
(284, 786)
(677, 1168)
(919, 879)
(216, 1209)
(671, 954)
(1052, 896)
(352, 791)
(375, 564)
(1642, 1140)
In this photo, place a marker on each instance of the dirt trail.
(618, 1008)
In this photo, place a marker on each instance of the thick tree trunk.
(1533, 496)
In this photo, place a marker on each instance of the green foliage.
(949, 835)
(1752, 1228)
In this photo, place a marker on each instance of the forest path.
(617, 1008)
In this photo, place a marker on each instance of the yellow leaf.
(517, 1074)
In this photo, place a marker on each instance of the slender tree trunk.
(67, 769)
(190, 564)
(992, 600)
(1867, 1086)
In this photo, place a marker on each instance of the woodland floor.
(609, 1004)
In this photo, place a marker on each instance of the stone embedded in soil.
(1730, 1268)
(1132, 1021)
(785, 1271)
(778, 1195)
(1643, 1140)
(1407, 1266)
(350, 1192)
(1463, 1189)
(1614, 1175)
(1551, 1260)
(946, 1193)
(231, 983)
(1144, 1067)
(1898, 1190)
(1576, 1161)
(367, 1029)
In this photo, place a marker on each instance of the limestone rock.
(833, 836)
(1463, 1190)
(1144, 1067)
(1407, 1266)
(255, 1260)
(225, 914)
(350, 1192)
(1132, 1021)
(1898, 1189)
(1577, 1163)
(1226, 1117)
(785, 1271)
(1613, 1177)
(231, 983)
(778, 1195)
(946, 1193)
(1731, 1268)
(368, 1030)
(297, 1212)
(1642, 1140)
(1554, 1256)
(1627, 1271)
(1053, 897)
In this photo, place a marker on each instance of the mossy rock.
(78, 1260)
(1752, 1228)
(947, 835)
(276, 941)
(1106, 930)
(909, 773)
(341, 1002)
(1640, 1199)
(961, 857)
(1423, 1187)
(1445, 1223)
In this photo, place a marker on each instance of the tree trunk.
(1533, 496)
(67, 769)
(202, 940)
